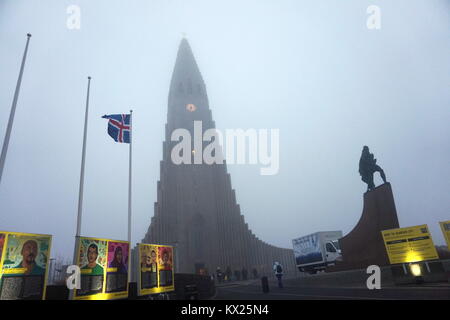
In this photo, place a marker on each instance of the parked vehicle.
(316, 251)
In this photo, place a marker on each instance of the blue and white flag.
(119, 127)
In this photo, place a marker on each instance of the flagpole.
(83, 157)
(129, 194)
(13, 110)
(80, 193)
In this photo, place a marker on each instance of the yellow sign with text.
(410, 244)
(445, 227)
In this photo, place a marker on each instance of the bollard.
(265, 284)
(190, 292)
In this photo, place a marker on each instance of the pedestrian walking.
(278, 270)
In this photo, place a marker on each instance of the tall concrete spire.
(196, 208)
(186, 70)
(187, 96)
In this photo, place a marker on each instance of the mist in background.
(309, 68)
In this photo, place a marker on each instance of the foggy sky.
(309, 68)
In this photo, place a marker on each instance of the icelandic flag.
(119, 127)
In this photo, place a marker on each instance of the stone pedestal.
(364, 245)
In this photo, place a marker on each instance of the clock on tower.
(191, 107)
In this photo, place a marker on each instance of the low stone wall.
(57, 292)
(190, 286)
(390, 276)
(350, 278)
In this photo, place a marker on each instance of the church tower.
(196, 209)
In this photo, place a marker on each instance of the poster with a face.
(117, 271)
(165, 258)
(24, 265)
(165, 266)
(148, 263)
(149, 257)
(104, 269)
(92, 259)
(118, 257)
(155, 269)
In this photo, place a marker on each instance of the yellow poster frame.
(103, 295)
(5, 245)
(158, 289)
(445, 232)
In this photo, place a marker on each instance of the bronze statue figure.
(367, 167)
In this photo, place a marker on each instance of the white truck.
(316, 251)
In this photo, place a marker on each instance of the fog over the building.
(311, 69)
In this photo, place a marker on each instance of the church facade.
(196, 209)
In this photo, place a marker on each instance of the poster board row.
(104, 267)
(103, 263)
